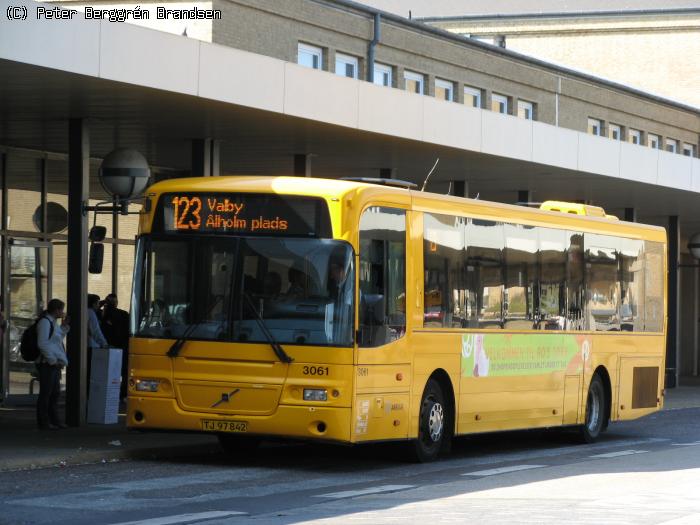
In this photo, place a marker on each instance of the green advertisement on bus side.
(502, 355)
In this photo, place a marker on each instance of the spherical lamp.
(124, 173)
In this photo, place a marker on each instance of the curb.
(90, 457)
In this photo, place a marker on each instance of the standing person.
(96, 338)
(115, 326)
(51, 361)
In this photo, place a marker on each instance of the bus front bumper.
(304, 422)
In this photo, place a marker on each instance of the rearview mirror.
(96, 257)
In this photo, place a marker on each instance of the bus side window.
(484, 273)
(602, 283)
(445, 289)
(576, 291)
(382, 308)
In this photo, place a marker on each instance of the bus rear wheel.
(238, 446)
(596, 404)
(432, 423)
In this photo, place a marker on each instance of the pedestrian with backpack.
(52, 359)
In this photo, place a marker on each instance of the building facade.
(653, 50)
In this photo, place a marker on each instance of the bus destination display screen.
(242, 214)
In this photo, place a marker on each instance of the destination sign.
(243, 214)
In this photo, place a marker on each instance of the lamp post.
(124, 175)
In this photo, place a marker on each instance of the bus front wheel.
(595, 411)
(432, 425)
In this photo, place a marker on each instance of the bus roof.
(422, 201)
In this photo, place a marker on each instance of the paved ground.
(642, 472)
(23, 447)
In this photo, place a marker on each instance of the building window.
(472, 97)
(654, 141)
(526, 110)
(499, 103)
(414, 82)
(346, 66)
(615, 132)
(688, 149)
(310, 56)
(595, 126)
(383, 75)
(634, 136)
(672, 145)
(444, 90)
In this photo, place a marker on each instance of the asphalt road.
(641, 472)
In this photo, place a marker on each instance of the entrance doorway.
(29, 289)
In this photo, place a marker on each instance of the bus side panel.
(433, 351)
(641, 382)
(619, 355)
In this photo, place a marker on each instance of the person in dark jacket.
(115, 326)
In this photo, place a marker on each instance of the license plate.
(223, 425)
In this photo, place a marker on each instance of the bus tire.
(238, 446)
(596, 404)
(432, 423)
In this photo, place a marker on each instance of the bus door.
(383, 360)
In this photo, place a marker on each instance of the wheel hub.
(436, 421)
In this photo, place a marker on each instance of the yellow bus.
(362, 310)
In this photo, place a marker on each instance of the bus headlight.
(147, 385)
(315, 394)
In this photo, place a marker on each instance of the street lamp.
(123, 174)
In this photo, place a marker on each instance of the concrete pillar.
(672, 339)
(460, 188)
(302, 165)
(524, 197)
(4, 266)
(387, 173)
(206, 161)
(631, 214)
(78, 194)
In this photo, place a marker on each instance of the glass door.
(29, 289)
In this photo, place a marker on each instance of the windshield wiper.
(279, 351)
(180, 341)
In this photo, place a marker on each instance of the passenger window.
(484, 270)
(521, 277)
(382, 276)
(603, 284)
(552, 281)
(576, 291)
(653, 286)
(631, 278)
(445, 293)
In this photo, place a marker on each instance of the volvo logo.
(225, 397)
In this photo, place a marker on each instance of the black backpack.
(29, 345)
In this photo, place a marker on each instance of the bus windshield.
(220, 288)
